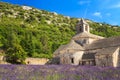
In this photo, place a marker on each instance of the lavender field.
(57, 72)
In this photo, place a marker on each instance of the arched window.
(72, 60)
(80, 29)
(86, 28)
(84, 41)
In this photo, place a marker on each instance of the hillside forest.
(30, 32)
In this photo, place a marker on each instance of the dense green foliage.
(38, 33)
(104, 29)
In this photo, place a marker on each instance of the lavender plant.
(57, 72)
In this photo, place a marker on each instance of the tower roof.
(83, 21)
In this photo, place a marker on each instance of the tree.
(14, 51)
(45, 44)
(28, 44)
(16, 54)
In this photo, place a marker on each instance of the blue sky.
(97, 10)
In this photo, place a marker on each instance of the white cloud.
(97, 14)
(115, 5)
(108, 4)
(83, 2)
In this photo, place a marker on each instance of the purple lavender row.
(57, 72)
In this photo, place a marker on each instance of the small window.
(84, 41)
(86, 28)
(72, 60)
(80, 29)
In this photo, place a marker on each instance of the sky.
(107, 11)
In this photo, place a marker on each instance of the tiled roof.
(104, 43)
(86, 35)
(71, 45)
(104, 51)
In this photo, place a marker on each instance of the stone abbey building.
(89, 49)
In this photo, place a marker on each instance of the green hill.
(29, 32)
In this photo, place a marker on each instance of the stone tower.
(83, 35)
(82, 26)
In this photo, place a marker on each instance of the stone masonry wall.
(36, 61)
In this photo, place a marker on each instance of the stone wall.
(119, 61)
(77, 57)
(104, 60)
(71, 58)
(36, 61)
(116, 58)
(3, 60)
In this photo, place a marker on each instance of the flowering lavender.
(57, 72)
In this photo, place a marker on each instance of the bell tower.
(82, 26)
